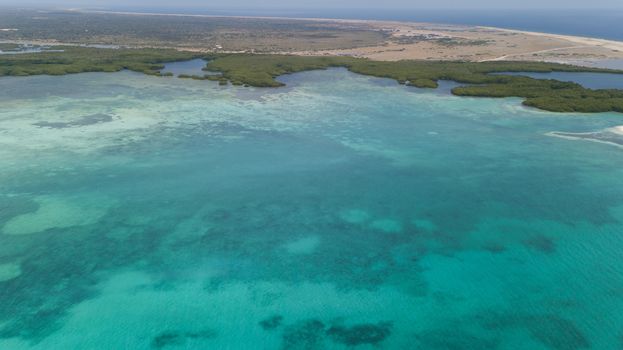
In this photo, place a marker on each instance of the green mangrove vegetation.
(262, 71)
(74, 59)
(212, 77)
(550, 95)
(9, 46)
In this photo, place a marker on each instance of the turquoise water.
(339, 212)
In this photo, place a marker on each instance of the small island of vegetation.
(262, 71)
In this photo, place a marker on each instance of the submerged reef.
(452, 340)
(269, 212)
(175, 338)
(541, 243)
(82, 121)
(271, 322)
(304, 335)
(361, 333)
(312, 334)
(551, 330)
(556, 333)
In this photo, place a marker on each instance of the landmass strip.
(373, 39)
(261, 70)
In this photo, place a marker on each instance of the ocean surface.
(338, 212)
(597, 23)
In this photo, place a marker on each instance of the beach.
(431, 41)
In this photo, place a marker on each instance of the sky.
(320, 4)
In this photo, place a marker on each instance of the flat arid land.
(378, 40)
(472, 43)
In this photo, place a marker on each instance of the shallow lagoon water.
(339, 212)
(190, 67)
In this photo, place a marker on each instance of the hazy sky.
(319, 4)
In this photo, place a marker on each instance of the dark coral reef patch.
(175, 338)
(359, 334)
(271, 322)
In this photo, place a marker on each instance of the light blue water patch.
(293, 80)
(611, 64)
(588, 80)
(339, 212)
(191, 67)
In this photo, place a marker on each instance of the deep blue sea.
(602, 23)
(338, 212)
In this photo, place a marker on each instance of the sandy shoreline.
(431, 41)
(587, 41)
(501, 44)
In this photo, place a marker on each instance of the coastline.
(611, 44)
(405, 41)
(461, 53)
